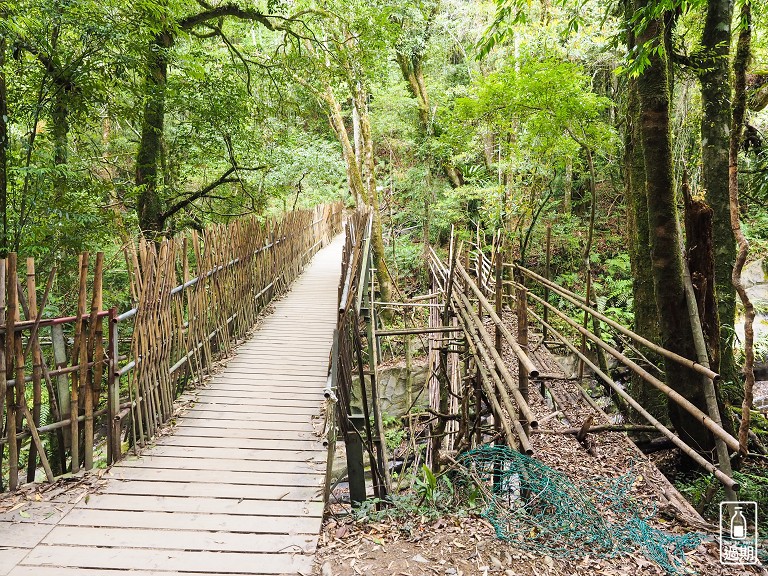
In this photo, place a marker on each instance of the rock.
(754, 273)
(326, 570)
(393, 390)
(420, 559)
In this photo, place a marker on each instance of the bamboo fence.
(539, 309)
(108, 380)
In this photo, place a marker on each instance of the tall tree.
(653, 86)
(151, 211)
(713, 64)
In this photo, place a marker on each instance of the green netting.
(537, 508)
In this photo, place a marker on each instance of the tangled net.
(537, 508)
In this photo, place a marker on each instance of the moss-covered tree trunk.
(149, 204)
(715, 79)
(664, 236)
(377, 234)
(3, 151)
(639, 245)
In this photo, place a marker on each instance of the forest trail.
(237, 489)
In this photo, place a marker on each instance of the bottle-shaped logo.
(738, 525)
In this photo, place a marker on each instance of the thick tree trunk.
(674, 325)
(149, 204)
(638, 238)
(354, 171)
(377, 240)
(3, 152)
(715, 140)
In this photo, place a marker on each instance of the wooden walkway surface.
(237, 489)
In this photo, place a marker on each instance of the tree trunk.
(741, 61)
(715, 140)
(149, 204)
(377, 240)
(4, 143)
(674, 325)
(413, 74)
(354, 172)
(638, 240)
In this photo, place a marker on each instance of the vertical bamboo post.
(499, 289)
(546, 275)
(522, 339)
(10, 337)
(92, 379)
(114, 449)
(79, 355)
(37, 362)
(586, 323)
(3, 384)
(62, 381)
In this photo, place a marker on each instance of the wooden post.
(499, 285)
(62, 382)
(79, 355)
(10, 333)
(586, 323)
(36, 367)
(114, 448)
(522, 339)
(93, 376)
(547, 273)
(3, 385)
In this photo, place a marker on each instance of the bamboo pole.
(529, 366)
(578, 301)
(37, 392)
(10, 354)
(93, 380)
(686, 404)
(695, 456)
(79, 356)
(522, 339)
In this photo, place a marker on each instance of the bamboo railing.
(540, 310)
(102, 377)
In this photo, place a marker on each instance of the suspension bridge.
(223, 467)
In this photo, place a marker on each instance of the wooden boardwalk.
(237, 489)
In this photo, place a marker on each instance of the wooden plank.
(185, 429)
(63, 571)
(181, 540)
(202, 505)
(289, 427)
(190, 521)
(213, 490)
(301, 473)
(281, 379)
(281, 399)
(305, 411)
(228, 452)
(253, 416)
(19, 535)
(10, 557)
(267, 442)
(181, 561)
(286, 481)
